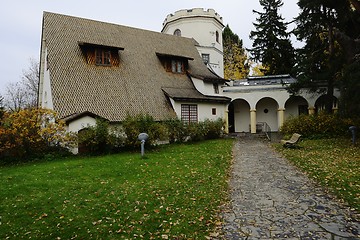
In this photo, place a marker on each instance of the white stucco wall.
(78, 124)
(45, 96)
(201, 25)
(204, 110)
(206, 88)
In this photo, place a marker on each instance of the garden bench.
(292, 142)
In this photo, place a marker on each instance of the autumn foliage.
(32, 133)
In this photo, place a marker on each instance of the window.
(177, 66)
(189, 113)
(216, 88)
(177, 32)
(205, 58)
(102, 57)
(213, 111)
(217, 37)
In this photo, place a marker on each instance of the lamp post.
(143, 137)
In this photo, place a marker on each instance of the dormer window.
(175, 64)
(101, 55)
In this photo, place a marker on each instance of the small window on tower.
(205, 58)
(217, 37)
(177, 32)
(216, 88)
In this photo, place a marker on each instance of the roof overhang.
(192, 95)
(76, 116)
(167, 55)
(94, 45)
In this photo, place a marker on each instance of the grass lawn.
(174, 193)
(334, 163)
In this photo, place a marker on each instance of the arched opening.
(177, 32)
(239, 116)
(267, 112)
(296, 106)
(320, 104)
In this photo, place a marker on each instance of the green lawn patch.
(174, 193)
(334, 163)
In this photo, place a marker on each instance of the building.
(91, 69)
(205, 26)
(263, 101)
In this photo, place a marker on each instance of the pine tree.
(323, 58)
(235, 59)
(271, 41)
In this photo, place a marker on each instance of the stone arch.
(295, 106)
(239, 116)
(320, 103)
(267, 111)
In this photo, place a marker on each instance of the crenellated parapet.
(190, 13)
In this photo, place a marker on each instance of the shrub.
(196, 131)
(32, 133)
(99, 139)
(181, 132)
(177, 130)
(318, 126)
(134, 125)
(214, 129)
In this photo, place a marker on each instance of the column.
(253, 120)
(281, 117)
(311, 110)
(226, 130)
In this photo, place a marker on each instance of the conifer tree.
(323, 25)
(271, 41)
(235, 59)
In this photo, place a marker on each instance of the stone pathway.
(271, 199)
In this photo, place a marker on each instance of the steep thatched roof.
(133, 87)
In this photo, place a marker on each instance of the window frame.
(216, 88)
(102, 57)
(189, 113)
(206, 58)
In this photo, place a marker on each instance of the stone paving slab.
(272, 199)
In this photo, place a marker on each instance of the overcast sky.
(20, 24)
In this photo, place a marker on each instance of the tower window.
(177, 32)
(217, 37)
(216, 88)
(205, 58)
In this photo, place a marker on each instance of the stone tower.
(205, 26)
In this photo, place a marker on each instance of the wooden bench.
(292, 142)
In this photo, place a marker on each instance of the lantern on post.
(143, 137)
